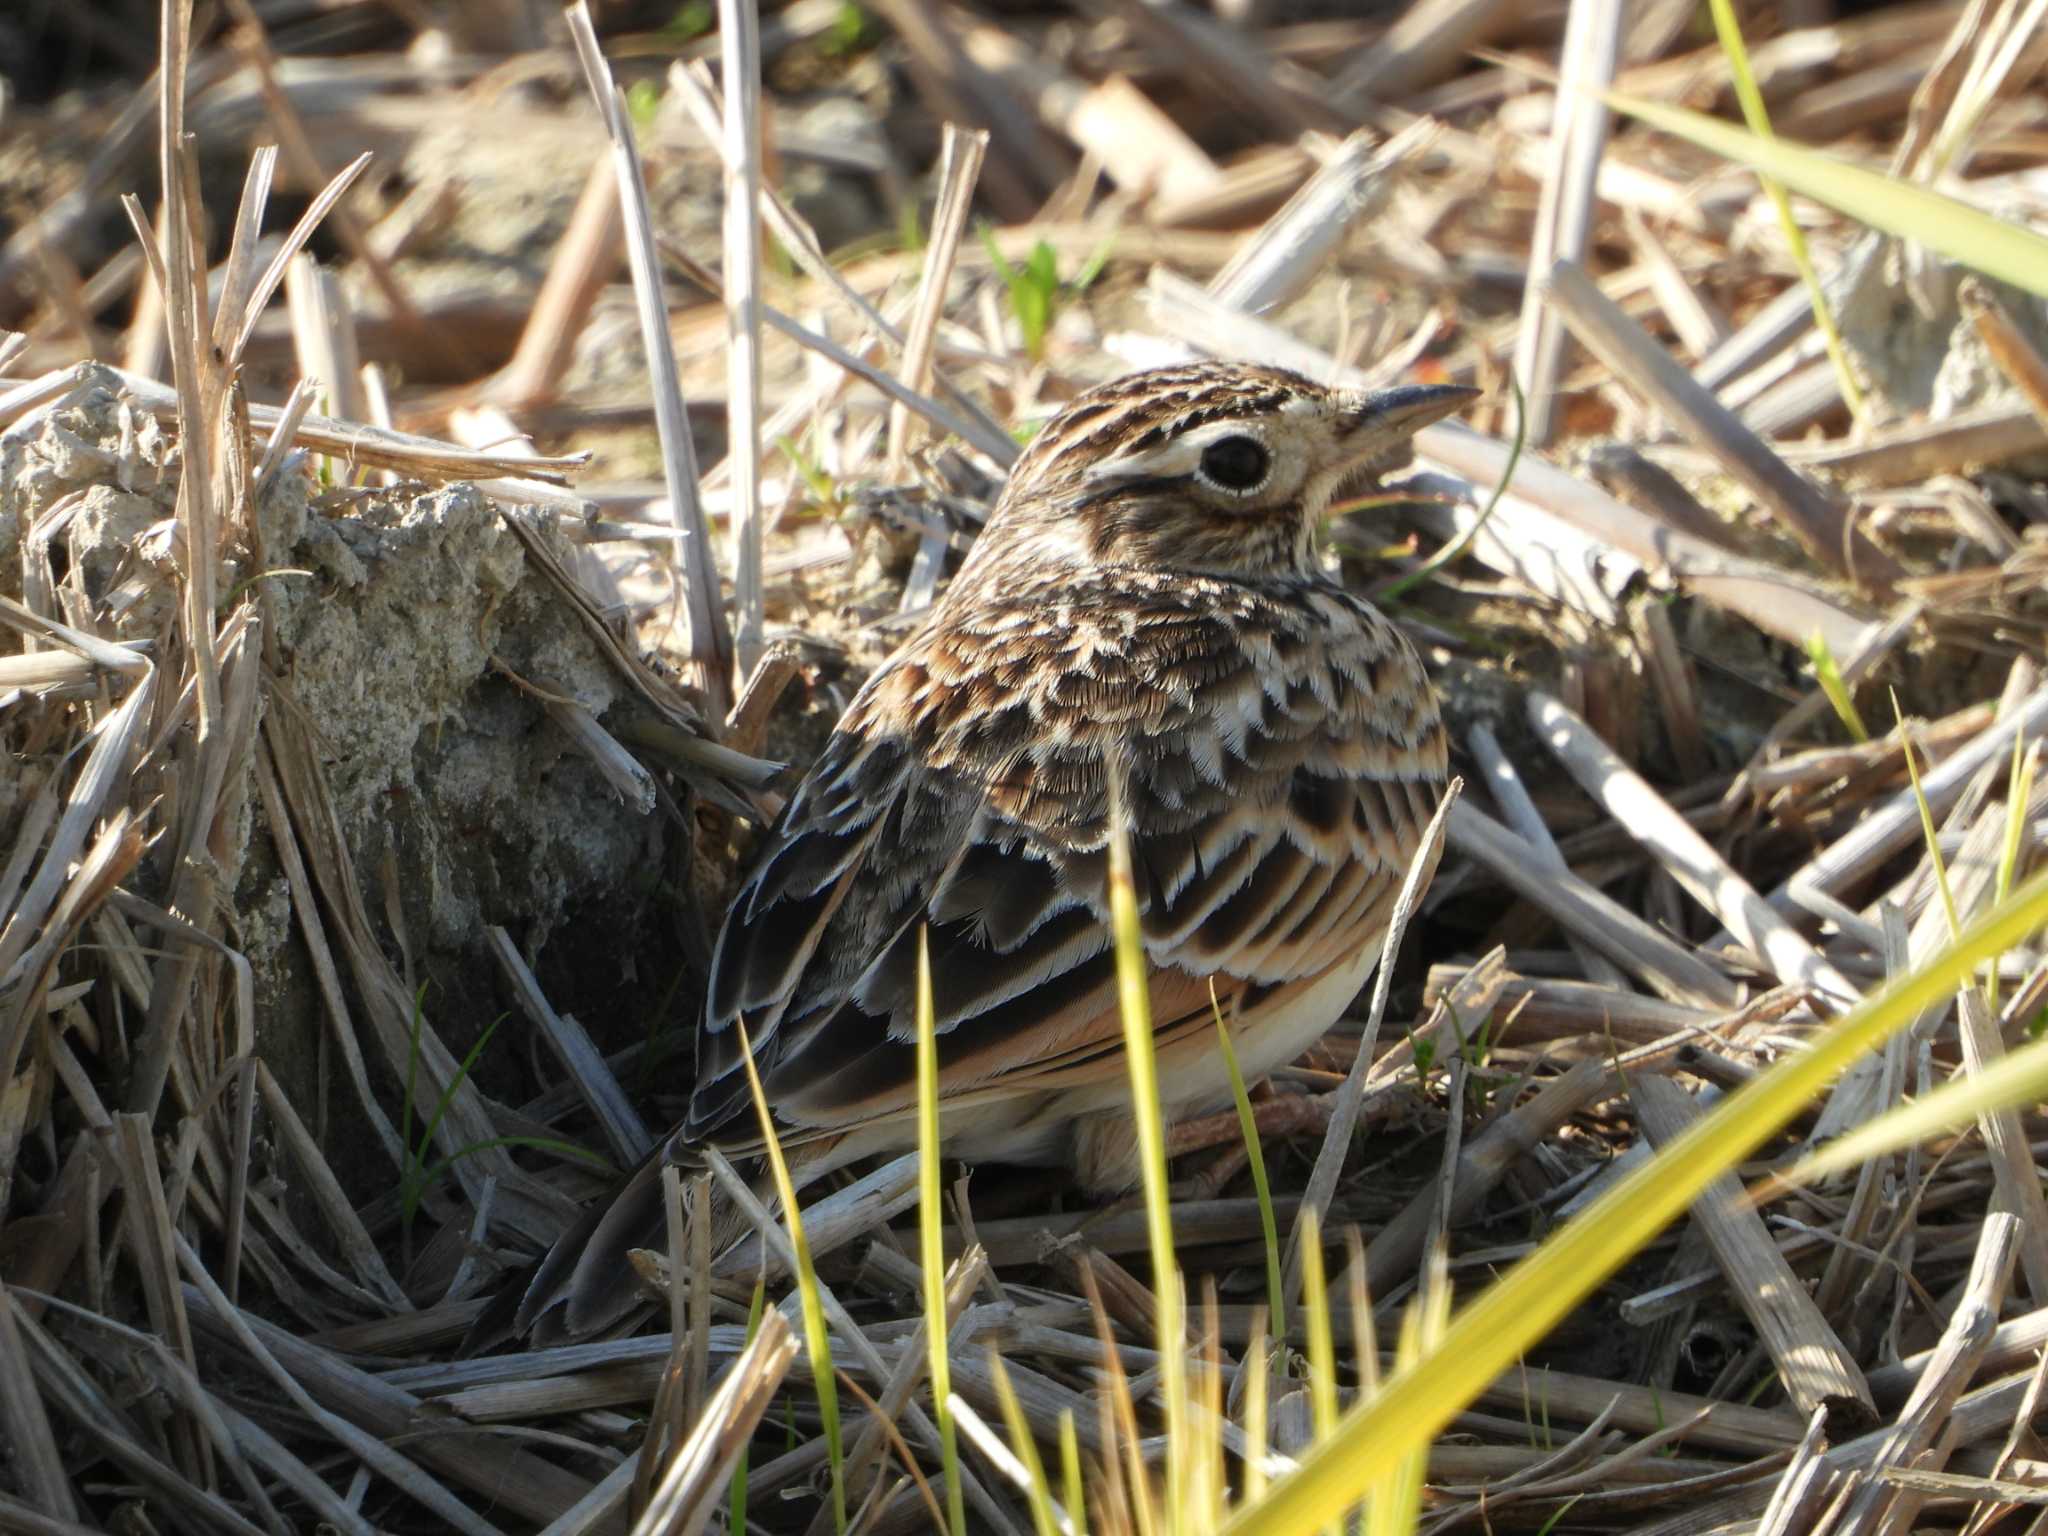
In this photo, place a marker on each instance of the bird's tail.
(585, 1285)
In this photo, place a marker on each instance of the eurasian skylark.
(1146, 600)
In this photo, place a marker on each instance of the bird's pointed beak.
(1383, 419)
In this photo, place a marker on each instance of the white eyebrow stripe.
(1178, 455)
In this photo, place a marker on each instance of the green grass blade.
(817, 1340)
(1134, 1003)
(1498, 1326)
(567, 1150)
(931, 1245)
(1276, 1288)
(418, 1177)
(1965, 234)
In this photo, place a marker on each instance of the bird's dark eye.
(1236, 463)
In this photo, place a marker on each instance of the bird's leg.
(1286, 1114)
(1278, 1116)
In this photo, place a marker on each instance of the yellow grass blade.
(1322, 1345)
(1927, 828)
(1397, 1502)
(1258, 1440)
(2018, 792)
(1729, 30)
(931, 1244)
(1134, 1001)
(1276, 1288)
(1495, 1329)
(817, 1340)
(1040, 1491)
(1070, 1474)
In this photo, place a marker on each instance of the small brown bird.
(1146, 599)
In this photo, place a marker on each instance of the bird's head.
(1216, 467)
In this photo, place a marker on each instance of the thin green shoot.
(1834, 685)
(1276, 1287)
(910, 226)
(1134, 1003)
(643, 100)
(1038, 1492)
(823, 488)
(1092, 267)
(1322, 1345)
(1126, 1477)
(1257, 1437)
(817, 1341)
(1074, 1484)
(418, 1175)
(739, 1467)
(1758, 117)
(1365, 1344)
(1927, 830)
(852, 31)
(692, 19)
(1034, 287)
(1457, 547)
(931, 1244)
(1211, 1484)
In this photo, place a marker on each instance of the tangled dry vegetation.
(354, 746)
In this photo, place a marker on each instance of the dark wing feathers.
(1276, 794)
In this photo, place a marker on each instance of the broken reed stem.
(584, 260)
(1800, 507)
(1814, 1367)
(1322, 1179)
(1691, 860)
(960, 160)
(1672, 970)
(706, 639)
(1924, 1417)
(740, 48)
(184, 310)
(1564, 210)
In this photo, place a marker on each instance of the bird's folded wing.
(1264, 855)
